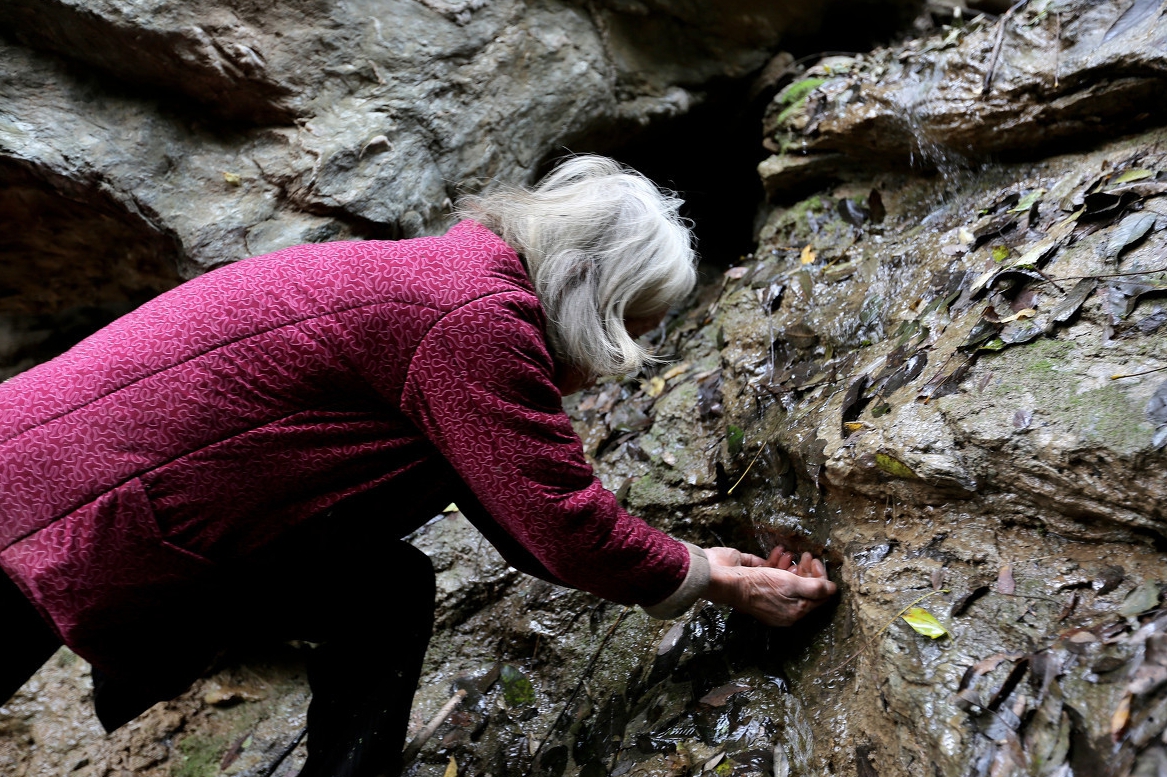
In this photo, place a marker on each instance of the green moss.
(1104, 413)
(516, 688)
(200, 756)
(794, 97)
(648, 492)
(894, 467)
(734, 437)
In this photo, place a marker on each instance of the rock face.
(211, 131)
(1049, 76)
(950, 386)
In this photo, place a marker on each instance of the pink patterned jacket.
(199, 428)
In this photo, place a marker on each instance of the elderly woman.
(243, 454)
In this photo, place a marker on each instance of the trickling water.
(926, 152)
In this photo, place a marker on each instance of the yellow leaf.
(233, 178)
(451, 768)
(808, 254)
(924, 623)
(1027, 313)
(654, 386)
(1133, 175)
(1121, 718)
(853, 426)
(451, 508)
(675, 370)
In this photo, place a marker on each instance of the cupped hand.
(778, 590)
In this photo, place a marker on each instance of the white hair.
(602, 244)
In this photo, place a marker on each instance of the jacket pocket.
(104, 569)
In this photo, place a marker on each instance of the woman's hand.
(775, 590)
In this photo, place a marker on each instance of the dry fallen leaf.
(233, 178)
(808, 254)
(675, 370)
(1025, 313)
(736, 273)
(654, 386)
(1005, 582)
(1121, 718)
(719, 696)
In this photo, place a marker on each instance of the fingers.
(805, 565)
(813, 588)
(782, 597)
(750, 560)
(780, 558)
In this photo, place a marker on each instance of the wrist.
(724, 585)
(692, 588)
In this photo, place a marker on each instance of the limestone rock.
(204, 132)
(1023, 84)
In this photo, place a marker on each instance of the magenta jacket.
(196, 430)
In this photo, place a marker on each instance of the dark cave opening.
(72, 259)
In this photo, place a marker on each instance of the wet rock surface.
(205, 132)
(949, 385)
(1050, 74)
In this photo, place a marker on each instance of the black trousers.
(29, 641)
(331, 585)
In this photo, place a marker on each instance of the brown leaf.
(1010, 683)
(1005, 582)
(962, 603)
(719, 696)
(1121, 718)
(1109, 578)
(984, 666)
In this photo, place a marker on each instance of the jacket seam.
(201, 354)
(151, 468)
(421, 340)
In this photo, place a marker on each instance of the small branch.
(1120, 376)
(587, 673)
(988, 84)
(1100, 276)
(748, 468)
(423, 736)
(1057, 46)
(283, 756)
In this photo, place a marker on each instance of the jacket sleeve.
(480, 388)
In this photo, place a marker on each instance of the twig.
(748, 468)
(886, 626)
(423, 736)
(1057, 46)
(997, 46)
(1119, 375)
(587, 673)
(1101, 275)
(283, 756)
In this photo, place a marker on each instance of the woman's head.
(603, 246)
